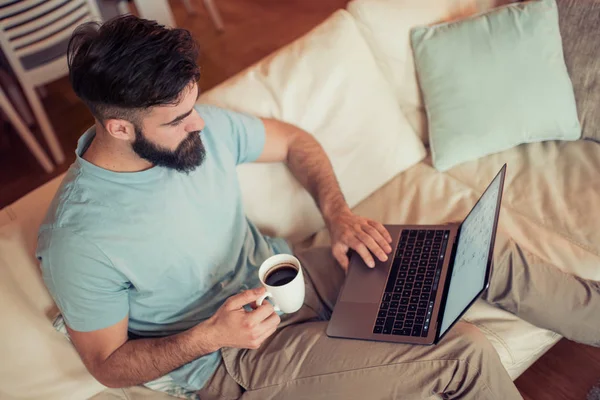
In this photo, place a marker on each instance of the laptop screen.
(472, 253)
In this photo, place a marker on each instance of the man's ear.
(120, 129)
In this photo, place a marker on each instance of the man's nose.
(197, 124)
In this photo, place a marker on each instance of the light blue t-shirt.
(164, 247)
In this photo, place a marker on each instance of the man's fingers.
(381, 229)
(381, 241)
(268, 327)
(363, 251)
(339, 253)
(372, 245)
(272, 321)
(261, 313)
(246, 297)
(265, 335)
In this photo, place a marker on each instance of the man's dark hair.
(129, 64)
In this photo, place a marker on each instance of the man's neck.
(112, 154)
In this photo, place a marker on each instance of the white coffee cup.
(289, 297)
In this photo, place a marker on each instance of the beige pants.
(299, 361)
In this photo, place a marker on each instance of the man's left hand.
(365, 236)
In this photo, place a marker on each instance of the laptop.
(433, 276)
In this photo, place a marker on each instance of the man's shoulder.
(74, 202)
(62, 197)
(60, 247)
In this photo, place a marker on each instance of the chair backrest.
(35, 32)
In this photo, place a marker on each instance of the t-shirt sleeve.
(90, 293)
(243, 134)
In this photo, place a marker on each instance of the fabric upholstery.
(549, 200)
(579, 21)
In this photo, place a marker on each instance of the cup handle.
(262, 298)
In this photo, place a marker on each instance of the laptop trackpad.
(364, 284)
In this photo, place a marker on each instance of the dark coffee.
(281, 274)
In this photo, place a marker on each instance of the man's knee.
(478, 372)
(468, 340)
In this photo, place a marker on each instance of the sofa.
(550, 192)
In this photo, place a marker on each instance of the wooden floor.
(255, 28)
(566, 372)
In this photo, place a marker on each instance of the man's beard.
(186, 157)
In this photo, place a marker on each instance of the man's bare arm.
(309, 163)
(117, 362)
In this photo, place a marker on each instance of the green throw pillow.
(494, 81)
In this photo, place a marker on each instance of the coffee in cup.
(282, 276)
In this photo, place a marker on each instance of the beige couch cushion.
(327, 83)
(550, 200)
(37, 362)
(386, 24)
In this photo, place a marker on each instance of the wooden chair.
(25, 133)
(34, 35)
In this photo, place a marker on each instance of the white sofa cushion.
(386, 25)
(37, 362)
(328, 83)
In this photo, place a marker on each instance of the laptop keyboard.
(409, 296)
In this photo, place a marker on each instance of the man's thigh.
(301, 360)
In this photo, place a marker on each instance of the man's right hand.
(233, 326)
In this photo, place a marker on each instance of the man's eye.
(177, 123)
